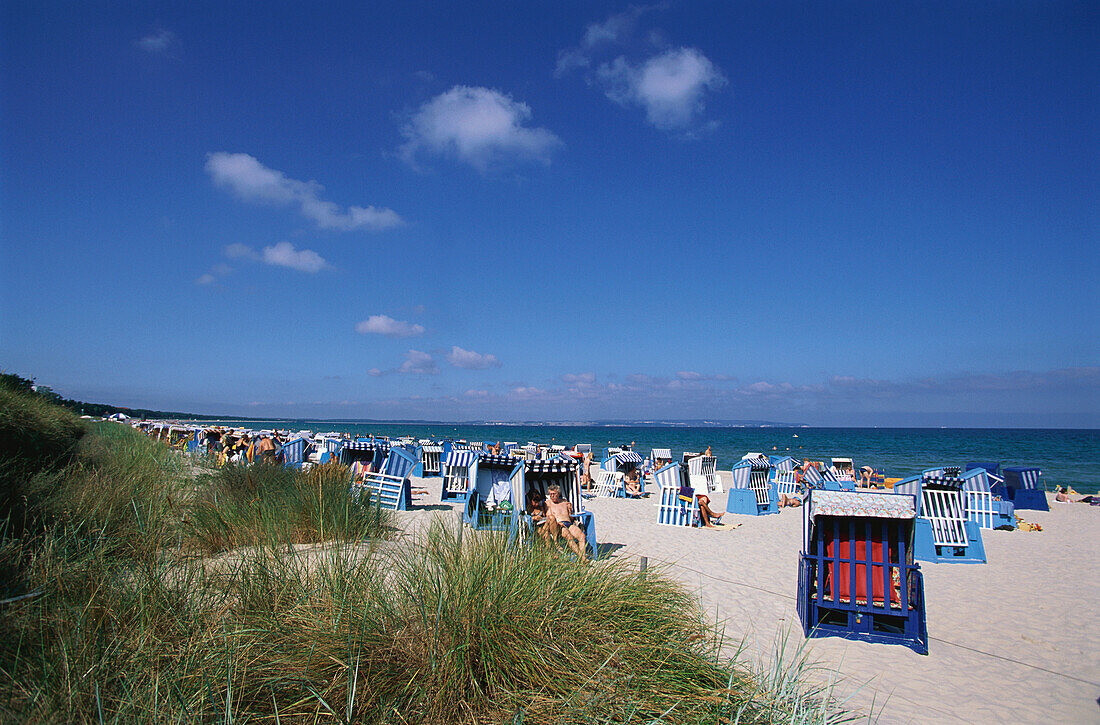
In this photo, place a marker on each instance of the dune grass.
(266, 504)
(151, 596)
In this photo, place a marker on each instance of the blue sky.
(824, 213)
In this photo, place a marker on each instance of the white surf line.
(994, 655)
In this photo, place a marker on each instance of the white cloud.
(479, 126)
(240, 251)
(578, 378)
(375, 372)
(251, 181)
(418, 363)
(206, 279)
(669, 86)
(385, 325)
(615, 29)
(160, 41)
(284, 254)
(470, 360)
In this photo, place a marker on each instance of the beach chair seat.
(857, 578)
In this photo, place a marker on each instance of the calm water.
(1065, 456)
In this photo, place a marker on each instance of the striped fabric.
(501, 461)
(942, 482)
(367, 446)
(554, 465)
(668, 477)
(628, 457)
(1021, 477)
(460, 458)
(664, 454)
(433, 449)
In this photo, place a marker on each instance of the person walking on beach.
(560, 521)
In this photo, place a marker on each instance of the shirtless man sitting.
(559, 520)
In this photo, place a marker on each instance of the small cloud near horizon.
(386, 325)
(158, 42)
(470, 360)
(251, 181)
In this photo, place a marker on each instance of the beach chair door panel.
(944, 510)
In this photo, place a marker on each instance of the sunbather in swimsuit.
(560, 513)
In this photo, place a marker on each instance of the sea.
(1066, 457)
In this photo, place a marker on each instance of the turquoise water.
(1066, 456)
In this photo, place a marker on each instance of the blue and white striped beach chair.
(390, 488)
(455, 468)
(703, 474)
(752, 491)
(491, 502)
(294, 452)
(1022, 483)
(983, 507)
(672, 509)
(538, 476)
(430, 454)
(943, 531)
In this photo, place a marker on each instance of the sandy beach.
(1015, 639)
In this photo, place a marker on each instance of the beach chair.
(672, 510)
(294, 452)
(857, 577)
(430, 455)
(943, 533)
(389, 488)
(539, 476)
(812, 477)
(786, 483)
(752, 491)
(455, 468)
(782, 463)
(983, 507)
(844, 468)
(609, 484)
(834, 480)
(1022, 483)
(703, 474)
(491, 502)
(369, 453)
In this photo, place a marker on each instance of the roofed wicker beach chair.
(455, 469)
(610, 481)
(985, 508)
(857, 578)
(676, 507)
(293, 453)
(1022, 483)
(491, 502)
(782, 463)
(369, 453)
(430, 454)
(752, 491)
(833, 479)
(943, 531)
(538, 476)
(703, 474)
(390, 488)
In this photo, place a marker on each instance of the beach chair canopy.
(661, 454)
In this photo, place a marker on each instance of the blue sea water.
(1066, 457)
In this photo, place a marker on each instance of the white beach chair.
(703, 474)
